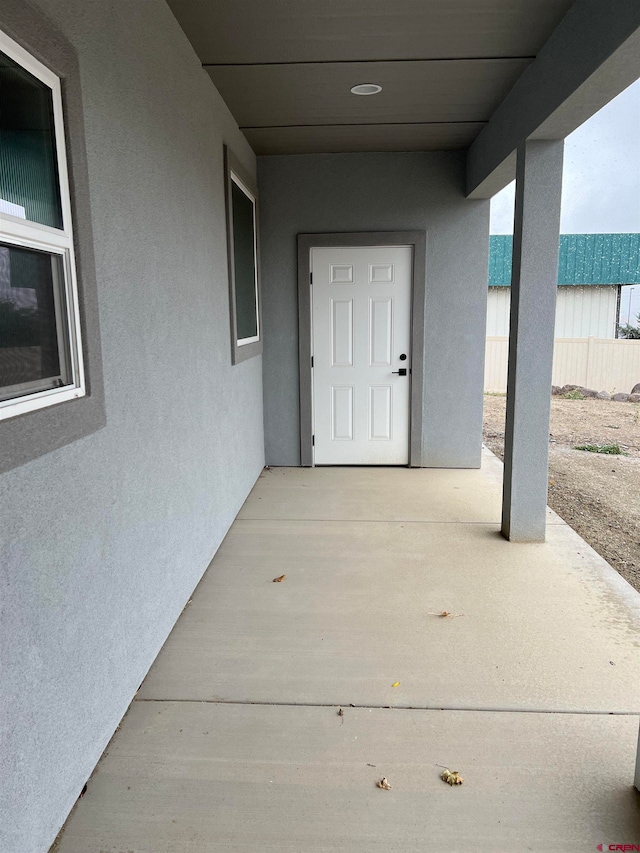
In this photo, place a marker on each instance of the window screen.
(32, 322)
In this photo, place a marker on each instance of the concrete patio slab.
(381, 494)
(544, 627)
(205, 778)
(234, 742)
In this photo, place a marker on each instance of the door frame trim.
(360, 239)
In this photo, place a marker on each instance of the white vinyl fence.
(602, 364)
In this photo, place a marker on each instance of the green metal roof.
(584, 259)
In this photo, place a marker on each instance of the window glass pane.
(28, 164)
(244, 259)
(32, 322)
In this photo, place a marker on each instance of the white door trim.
(307, 242)
(361, 298)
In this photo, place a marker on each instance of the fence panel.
(598, 363)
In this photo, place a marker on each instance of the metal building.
(592, 269)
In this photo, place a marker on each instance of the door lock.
(401, 372)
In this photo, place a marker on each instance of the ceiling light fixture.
(366, 89)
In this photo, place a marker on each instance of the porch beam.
(533, 305)
(591, 56)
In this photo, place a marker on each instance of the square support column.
(534, 285)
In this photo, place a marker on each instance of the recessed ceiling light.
(366, 89)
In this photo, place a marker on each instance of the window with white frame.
(243, 204)
(244, 280)
(40, 347)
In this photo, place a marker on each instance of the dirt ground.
(597, 494)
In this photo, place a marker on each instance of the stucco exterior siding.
(581, 312)
(103, 540)
(380, 192)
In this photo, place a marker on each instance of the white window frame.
(235, 175)
(32, 235)
(237, 180)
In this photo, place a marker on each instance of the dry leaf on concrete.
(279, 580)
(384, 784)
(451, 777)
(444, 614)
(396, 684)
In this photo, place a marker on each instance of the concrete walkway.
(531, 689)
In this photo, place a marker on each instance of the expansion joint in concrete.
(376, 707)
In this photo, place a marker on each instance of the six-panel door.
(361, 321)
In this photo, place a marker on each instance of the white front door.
(361, 322)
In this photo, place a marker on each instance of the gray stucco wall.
(381, 192)
(104, 539)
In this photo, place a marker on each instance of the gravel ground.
(597, 494)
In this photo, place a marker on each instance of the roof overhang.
(592, 56)
(481, 75)
(286, 68)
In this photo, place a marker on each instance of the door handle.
(401, 372)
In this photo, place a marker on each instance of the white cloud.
(502, 210)
(601, 181)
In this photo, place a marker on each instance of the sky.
(601, 180)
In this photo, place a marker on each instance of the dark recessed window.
(244, 284)
(244, 264)
(40, 353)
(29, 182)
(34, 346)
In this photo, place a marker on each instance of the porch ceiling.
(285, 69)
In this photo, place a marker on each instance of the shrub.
(630, 332)
(612, 449)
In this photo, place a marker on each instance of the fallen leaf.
(371, 765)
(384, 784)
(445, 614)
(396, 684)
(451, 777)
(279, 580)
